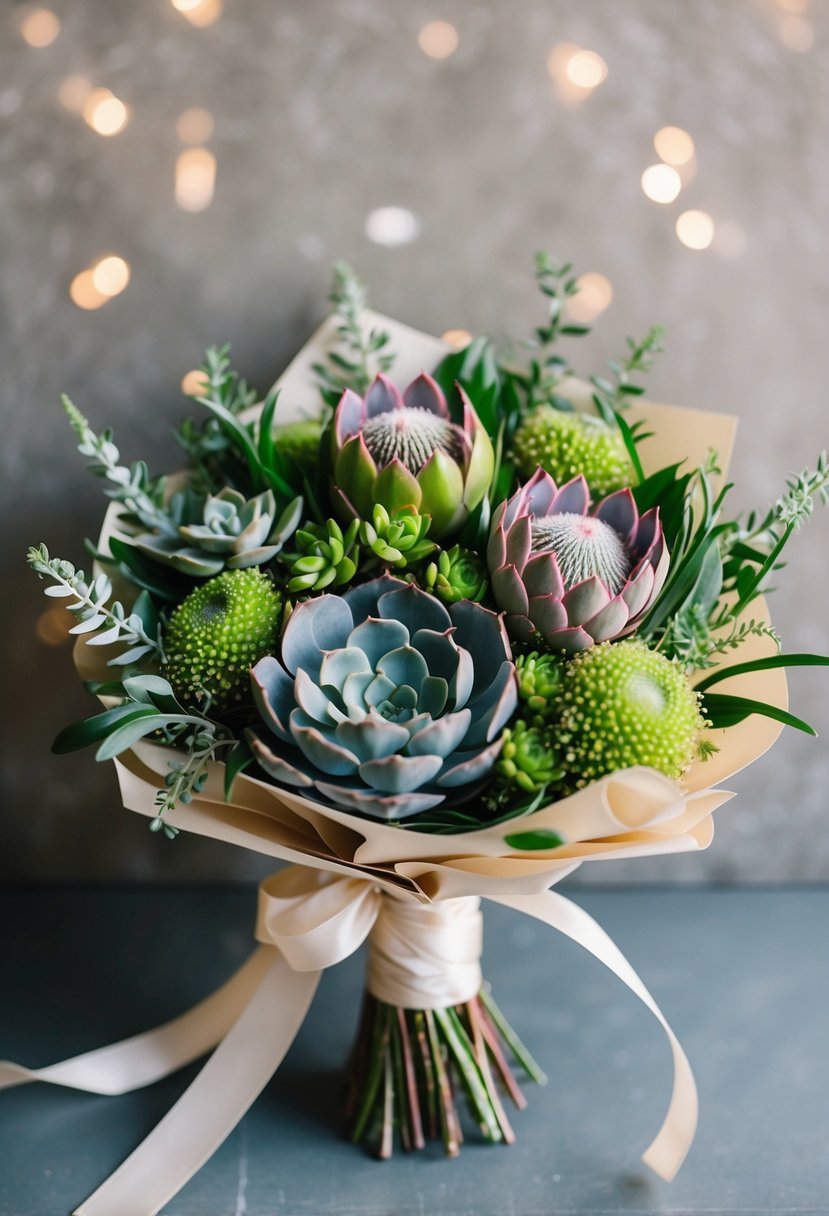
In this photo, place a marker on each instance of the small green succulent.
(539, 681)
(397, 538)
(566, 444)
(325, 557)
(458, 574)
(624, 705)
(528, 759)
(300, 442)
(218, 633)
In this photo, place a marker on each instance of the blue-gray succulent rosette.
(384, 701)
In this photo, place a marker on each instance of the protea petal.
(585, 599)
(424, 394)
(609, 622)
(396, 487)
(355, 469)
(541, 576)
(619, 512)
(348, 416)
(441, 487)
(509, 591)
(572, 498)
(538, 495)
(547, 614)
(518, 543)
(381, 397)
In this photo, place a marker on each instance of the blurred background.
(178, 173)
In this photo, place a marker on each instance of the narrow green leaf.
(767, 664)
(130, 732)
(724, 711)
(81, 734)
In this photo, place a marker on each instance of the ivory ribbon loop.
(426, 956)
(669, 1149)
(314, 918)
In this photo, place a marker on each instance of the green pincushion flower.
(528, 759)
(458, 574)
(218, 633)
(566, 444)
(624, 705)
(539, 681)
(300, 441)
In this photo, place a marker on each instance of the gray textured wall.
(323, 112)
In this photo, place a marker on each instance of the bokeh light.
(52, 626)
(586, 70)
(438, 39)
(40, 27)
(392, 226)
(695, 229)
(796, 33)
(200, 13)
(195, 179)
(673, 145)
(84, 293)
(661, 183)
(576, 71)
(105, 113)
(110, 275)
(195, 126)
(193, 383)
(594, 296)
(73, 92)
(456, 338)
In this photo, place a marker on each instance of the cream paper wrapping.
(345, 869)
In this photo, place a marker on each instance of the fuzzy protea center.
(411, 435)
(584, 546)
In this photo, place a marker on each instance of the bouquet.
(433, 626)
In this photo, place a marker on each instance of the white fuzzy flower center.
(584, 546)
(410, 435)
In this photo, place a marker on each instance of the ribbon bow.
(307, 921)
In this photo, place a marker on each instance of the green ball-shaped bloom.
(458, 574)
(218, 633)
(539, 681)
(624, 705)
(300, 441)
(528, 759)
(569, 444)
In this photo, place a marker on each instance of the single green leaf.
(130, 732)
(81, 734)
(541, 838)
(767, 664)
(724, 711)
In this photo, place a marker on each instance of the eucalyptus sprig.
(548, 366)
(142, 495)
(362, 353)
(207, 442)
(91, 603)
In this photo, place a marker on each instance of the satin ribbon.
(307, 921)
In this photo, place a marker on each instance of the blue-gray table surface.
(743, 976)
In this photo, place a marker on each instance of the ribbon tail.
(145, 1058)
(668, 1150)
(210, 1108)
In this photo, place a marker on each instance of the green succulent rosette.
(397, 538)
(230, 532)
(326, 556)
(457, 574)
(529, 760)
(383, 701)
(404, 449)
(539, 681)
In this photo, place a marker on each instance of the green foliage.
(131, 485)
(97, 614)
(325, 557)
(362, 353)
(208, 443)
(397, 538)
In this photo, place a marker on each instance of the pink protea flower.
(570, 574)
